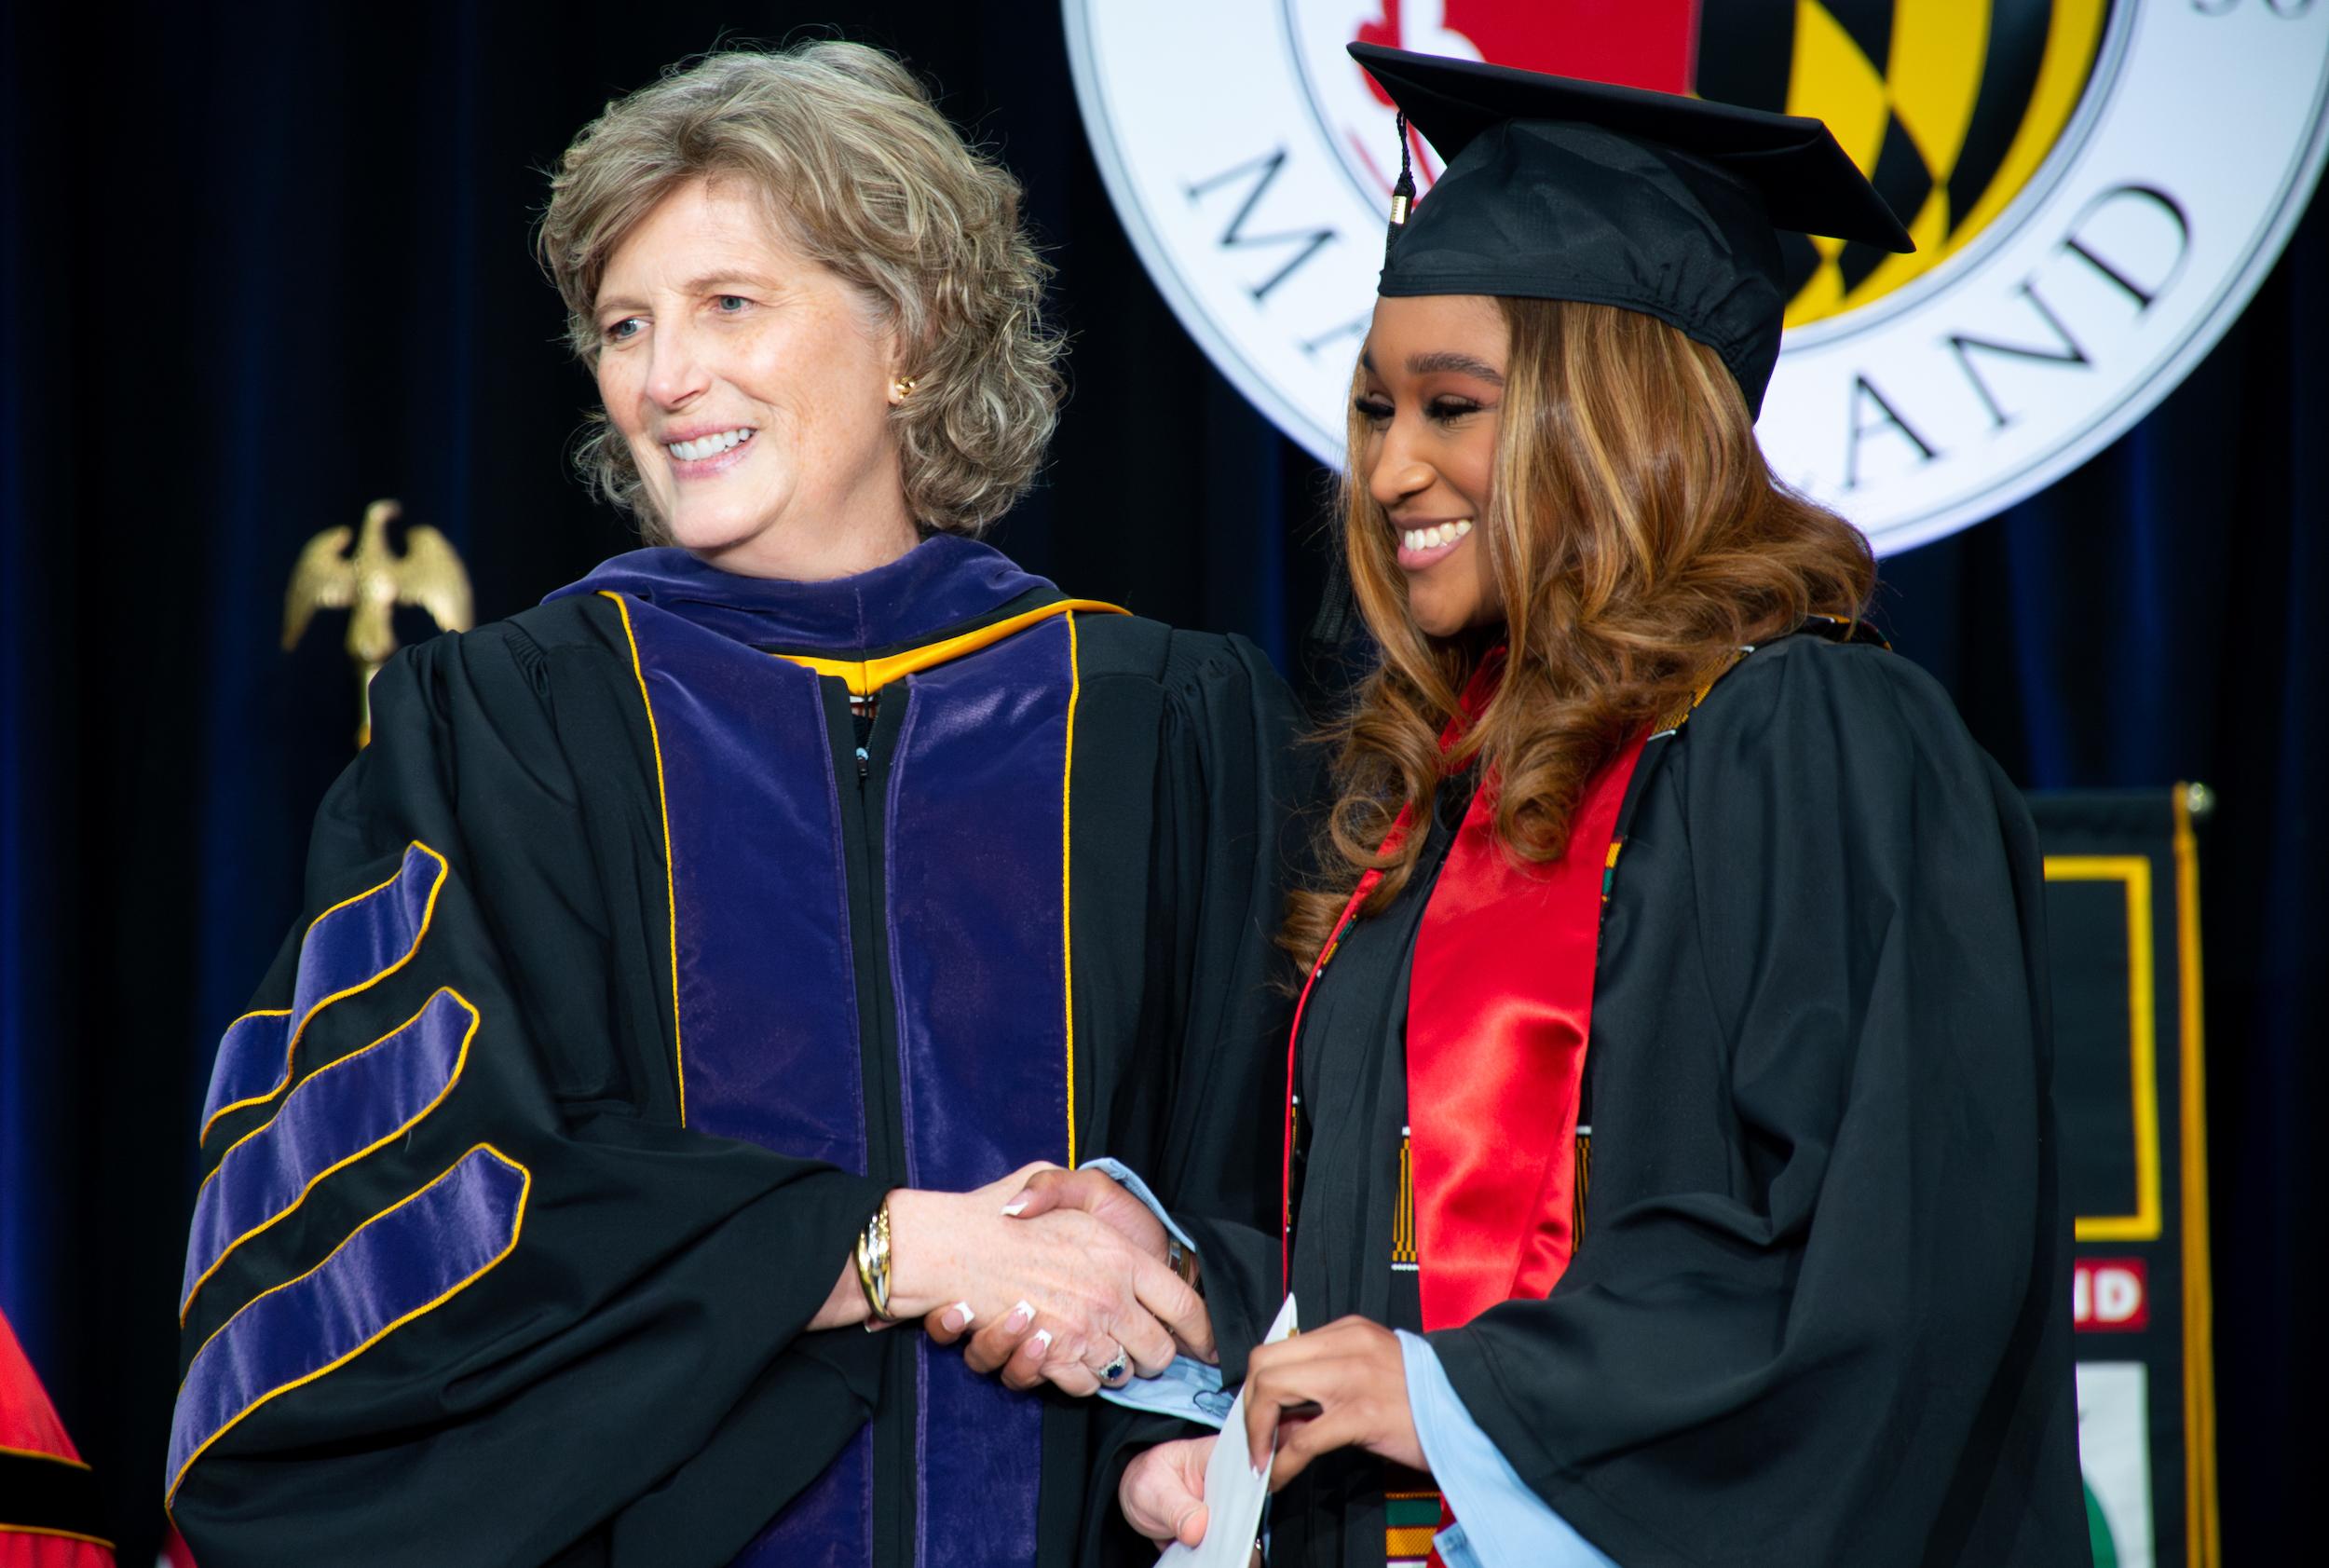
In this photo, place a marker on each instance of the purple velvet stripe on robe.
(972, 896)
(252, 1055)
(337, 1113)
(348, 948)
(400, 1263)
(937, 585)
(767, 998)
(977, 967)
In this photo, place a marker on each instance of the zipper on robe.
(862, 777)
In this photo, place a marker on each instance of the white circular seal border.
(2129, 252)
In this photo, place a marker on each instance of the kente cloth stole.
(971, 904)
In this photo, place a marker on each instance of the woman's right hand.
(1162, 1491)
(1090, 1290)
(1051, 1189)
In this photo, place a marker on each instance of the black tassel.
(1403, 193)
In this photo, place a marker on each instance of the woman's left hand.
(1351, 1370)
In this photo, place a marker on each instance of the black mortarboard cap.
(1557, 189)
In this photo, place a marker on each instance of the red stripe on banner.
(2110, 1296)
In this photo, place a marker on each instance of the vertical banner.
(2122, 907)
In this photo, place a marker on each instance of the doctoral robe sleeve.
(1240, 807)
(1817, 1311)
(1231, 775)
(1230, 778)
(461, 1288)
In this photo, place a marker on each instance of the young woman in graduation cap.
(1669, 1149)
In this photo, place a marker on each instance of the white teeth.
(707, 447)
(1436, 536)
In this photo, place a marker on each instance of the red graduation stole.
(1499, 1011)
(1500, 1006)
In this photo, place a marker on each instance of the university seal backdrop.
(2095, 187)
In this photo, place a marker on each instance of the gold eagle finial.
(370, 583)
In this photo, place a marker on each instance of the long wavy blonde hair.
(1635, 538)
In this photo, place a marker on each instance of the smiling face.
(753, 387)
(1431, 383)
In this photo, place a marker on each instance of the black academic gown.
(508, 1266)
(1820, 1313)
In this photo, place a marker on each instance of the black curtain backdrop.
(262, 266)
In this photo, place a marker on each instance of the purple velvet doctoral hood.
(938, 584)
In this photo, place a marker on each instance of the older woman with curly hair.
(700, 959)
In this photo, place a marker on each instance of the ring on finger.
(1117, 1369)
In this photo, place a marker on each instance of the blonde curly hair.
(850, 158)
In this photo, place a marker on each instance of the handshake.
(1067, 1278)
(1046, 1276)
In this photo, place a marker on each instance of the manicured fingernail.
(958, 1317)
(1039, 1342)
(1021, 1316)
(1016, 1208)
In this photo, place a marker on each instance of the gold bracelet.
(873, 1270)
(872, 1264)
(1183, 1260)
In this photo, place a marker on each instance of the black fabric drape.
(259, 265)
(2154, 617)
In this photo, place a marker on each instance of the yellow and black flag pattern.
(1949, 107)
